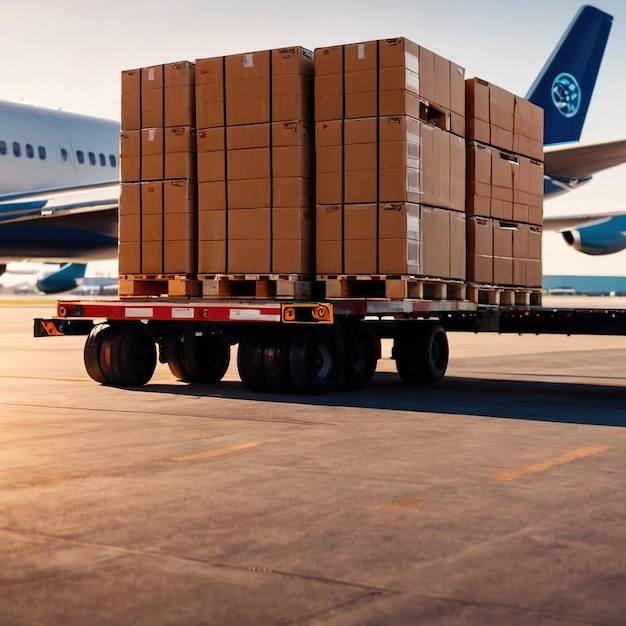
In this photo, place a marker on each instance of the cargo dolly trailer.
(294, 347)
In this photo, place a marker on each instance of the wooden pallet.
(392, 287)
(503, 295)
(259, 286)
(171, 285)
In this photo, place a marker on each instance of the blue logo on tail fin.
(566, 94)
(564, 86)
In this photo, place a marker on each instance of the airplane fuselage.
(43, 149)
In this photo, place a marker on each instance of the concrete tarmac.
(495, 497)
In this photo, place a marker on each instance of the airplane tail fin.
(564, 86)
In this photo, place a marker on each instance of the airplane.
(563, 89)
(59, 174)
(59, 189)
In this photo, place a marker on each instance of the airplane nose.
(568, 236)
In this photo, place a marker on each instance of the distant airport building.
(587, 285)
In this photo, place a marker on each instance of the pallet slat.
(259, 286)
(392, 287)
(175, 286)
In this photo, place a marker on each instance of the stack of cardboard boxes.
(255, 162)
(158, 171)
(395, 166)
(390, 158)
(504, 187)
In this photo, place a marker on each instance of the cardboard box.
(292, 84)
(212, 257)
(502, 270)
(328, 257)
(480, 236)
(249, 256)
(179, 94)
(360, 256)
(248, 88)
(293, 256)
(293, 223)
(329, 222)
(129, 258)
(152, 84)
(212, 225)
(435, 240)
(130, 199)
(210, 92)
(212, 195)
(249, 194)
(503, 233)
(249, 224)
(130, 156)
(293, 192)
(360, 222)
(399, 221)
(399, 257)
(458, 245)
(180, 257)
(480, 269)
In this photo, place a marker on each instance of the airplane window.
(42, 152)
(3, 147)
(30, 151)
(112, 160)
(64, 154)
(92, 158)
(17, 149)
(103, 160)
(80, 156)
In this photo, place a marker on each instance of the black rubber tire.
(316, 360)
(128, 355)
(276, 360)
(421, 353)
(93, 350)
(197, 360)
(362, 351)
(250, 362)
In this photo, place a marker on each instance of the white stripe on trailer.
(253, 314)
(142, 313)
(183, 313)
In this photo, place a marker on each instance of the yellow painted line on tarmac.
(573, 455)
(68, 379)
(209, 454)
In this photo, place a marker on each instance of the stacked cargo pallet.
(255, 171)
(390, 193)
(504, 195)
(158, 233)
(396, 191)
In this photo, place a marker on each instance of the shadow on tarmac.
(560, 402)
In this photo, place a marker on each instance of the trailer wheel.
(127, 355)
(421, 354)
(276, 360)
(93, 350)
(362, 351)
(316, 360)
(196, 360)
(250, 362)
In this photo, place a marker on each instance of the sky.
(69, 54)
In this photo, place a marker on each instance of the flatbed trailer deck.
(287, 346)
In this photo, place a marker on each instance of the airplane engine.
(602, 237)
(66, 278)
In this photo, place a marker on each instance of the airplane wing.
(54, 203)
(578, 160)
(559, 223)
